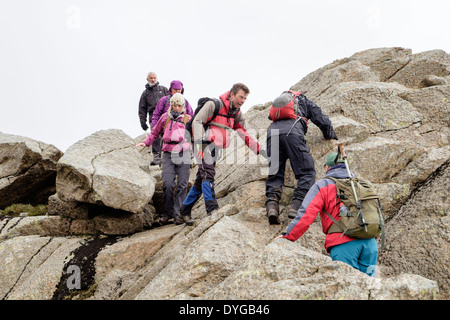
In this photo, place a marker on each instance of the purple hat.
(177, 85)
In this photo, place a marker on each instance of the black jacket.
(310, 111)
(148, 101)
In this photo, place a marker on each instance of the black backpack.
(200, 104)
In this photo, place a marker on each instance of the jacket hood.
(225, 99)
(177, 85)
(338, 171)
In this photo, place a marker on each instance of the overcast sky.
(71, 68)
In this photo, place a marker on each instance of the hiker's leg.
(277, 167)
(209, 169)
(302, 164)
(369, 255)
(168, 179)
(190, 200)
(194, 194)
(156, 151)
(275, 180)
(348, 252)
(182, 172)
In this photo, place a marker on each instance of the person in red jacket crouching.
(361, 254)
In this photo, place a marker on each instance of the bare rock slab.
(105, 169)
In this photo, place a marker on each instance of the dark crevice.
(83, 260)
(419, 186)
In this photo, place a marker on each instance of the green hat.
(332, 161)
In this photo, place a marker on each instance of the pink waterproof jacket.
(174, 139)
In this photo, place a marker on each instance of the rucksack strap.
(215, 113)
(167, 121)
(185, 120)
(298, 112)
(336, 226)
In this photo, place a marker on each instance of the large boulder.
(384, 61)
(421, 66)
(27, 170)
(105, 169)
(378, 105)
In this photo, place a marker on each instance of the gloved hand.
(144, 126)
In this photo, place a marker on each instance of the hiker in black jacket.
(290, 114)
(152, 94)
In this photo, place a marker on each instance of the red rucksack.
(288, 109)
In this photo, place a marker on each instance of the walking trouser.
(280, 148)
(361, 254)
(156, 147)
(156, 150)
(204, 184)
(175, 166)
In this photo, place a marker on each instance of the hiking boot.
(272, 210)
(163, 220)
(295, 205)
(188, 220)
(179, 220)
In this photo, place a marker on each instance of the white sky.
(71, 68)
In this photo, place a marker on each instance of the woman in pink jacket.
(176, 159)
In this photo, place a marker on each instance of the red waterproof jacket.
(321, 195)
(219, 131)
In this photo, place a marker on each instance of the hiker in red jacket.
(176, 159)
(361, 254)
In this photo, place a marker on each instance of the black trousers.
(280, 148)
(156, 150)
(204, 183)
(175, 168)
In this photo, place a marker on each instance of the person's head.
(177, 103)
(176, 86)
(238, 95)
(332, 160)
(152, 78)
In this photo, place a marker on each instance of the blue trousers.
(361, 254)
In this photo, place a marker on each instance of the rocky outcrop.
(388, 106)
(27, 170)
(105, 169)
(103, 186)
